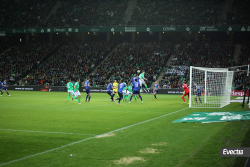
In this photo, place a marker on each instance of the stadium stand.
(4, 46)
(24, 13)
(239, 78)
(21, 58)
(239, 13)
(89, 13)
(244, 54)
(200, 54)
(130, 57)
(182, 12)
(73, 60)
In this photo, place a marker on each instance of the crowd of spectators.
(97, 13)
(199, 54)
(22, 58)
(89, 13)
(24, 13)
(4, 46)
(244, 59)
(239, 13)
(130, 57)
(181, 12)
(73, 60)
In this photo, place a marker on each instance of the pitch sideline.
(33, 155)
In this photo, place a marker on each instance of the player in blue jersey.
(135, 77)
(4, 88)
(136, 90)
(133, 80)
(109, 91)
(120, 89)
(156, 89)
(198, 92)
(87, 88)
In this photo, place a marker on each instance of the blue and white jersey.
(109, 87)
(156, 87)
(86, 84)
(197, 88)
(133, 79)
(120, 87)
(4, 85)
(137, 86)
(0, 84)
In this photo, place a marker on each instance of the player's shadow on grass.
(241, 161)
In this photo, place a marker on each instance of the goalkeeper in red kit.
(186, 92)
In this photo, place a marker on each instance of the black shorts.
(136, 92)
(120, 94)
(88, 90)
(109, 92)
(198, 93)
(156, 91)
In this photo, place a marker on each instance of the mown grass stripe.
(33, 155)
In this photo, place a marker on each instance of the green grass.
(27, 118)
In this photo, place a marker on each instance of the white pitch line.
(45, 132)
(33, 155)
(91, 106)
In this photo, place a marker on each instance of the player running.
(198, 92)
(156, 90)
(136, 90)
(120, 89)
(77, 92)
(115, 86)
(141, 80)
(109, 91)
(4, 88)
(185, 92)
(70, 88)
(87, 88)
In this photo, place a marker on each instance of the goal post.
(213, 87)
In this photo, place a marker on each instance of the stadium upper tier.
(239, 13)
(24, 13)
(111, 13)
(171, 12)
(89, 13)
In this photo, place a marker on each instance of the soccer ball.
(138, 71)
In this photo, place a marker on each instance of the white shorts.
(141, 81)
(71, 92)
(77, 93)
(126, 93)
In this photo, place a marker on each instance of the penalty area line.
(65, 133)
(70, 144)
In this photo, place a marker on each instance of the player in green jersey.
(77, 92)
(141, 80)
(130, 89)
(70, 88)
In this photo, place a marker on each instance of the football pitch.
(43, 129)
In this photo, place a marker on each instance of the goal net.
(210, 87)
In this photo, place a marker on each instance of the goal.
(215, 87)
